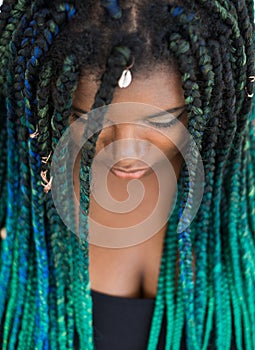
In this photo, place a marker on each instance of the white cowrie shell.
(125, 79)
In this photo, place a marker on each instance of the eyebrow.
(170, 110)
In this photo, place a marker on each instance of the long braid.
(170, 288)
(26, 221)
(202, 237)
(237, 160)
(246, 240)
(12, 195)
(119, 59)
(196, 124)
(25, 337)
(181, 47)
(221, 320)
(36, 196)
(234, 251)
(9, 18)
(62, 95)
(13, 162)
(3, 147)
(214, 232)
(22, 240)
(38, 211)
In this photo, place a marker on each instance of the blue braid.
(21, 232)
(40, 243)
(23, 238)
(12, 198)
(112, 8)
(185, 268)
(42, 320)
(177, 11)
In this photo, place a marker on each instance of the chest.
(129, 272)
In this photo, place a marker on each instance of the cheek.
(169, 142)
(105, 138)
(77, 129)
(76, 132)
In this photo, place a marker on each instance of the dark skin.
(132, 271)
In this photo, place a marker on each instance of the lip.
(130, 173)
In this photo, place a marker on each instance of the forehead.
(161, 88)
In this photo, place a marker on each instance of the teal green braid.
(216, 279)
(118, 60)
(37, 205)
(12, 189)
(248, 260)
(25, 337)
(204, 65)
(204, 220)
(19, 275)
(77, 304)
(222, 323)
(166, 281)
(3, 139)
(22, 241)
(196, 123)
(174, 297)
(57, 120)
(234, 254)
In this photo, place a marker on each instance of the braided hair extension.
(10, 18)
(214, 232)
(44, 48)
(36, 213)
(3, 137)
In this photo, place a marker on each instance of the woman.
(134, 77)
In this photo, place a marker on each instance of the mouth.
(129, 173)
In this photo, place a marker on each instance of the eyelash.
(164, 125)
(167, 124)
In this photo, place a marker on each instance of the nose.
(128, 147)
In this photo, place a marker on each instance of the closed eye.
(165, 120)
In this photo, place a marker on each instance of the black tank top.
(122, 323)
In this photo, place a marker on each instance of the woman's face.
(134, 137)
